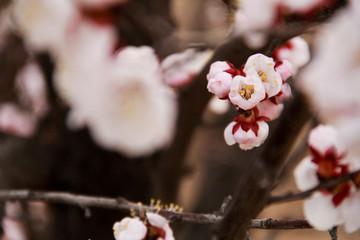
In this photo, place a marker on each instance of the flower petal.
(321, 212)
(305, 174)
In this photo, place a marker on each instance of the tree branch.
(86, 201)
(324, 185)
(333, 233)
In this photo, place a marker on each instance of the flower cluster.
(153, 227)
(257, 91)
(340, 204)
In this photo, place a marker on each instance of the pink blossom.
(220, 84)
(296, 51)
(265, 68)
(217, 67)
(284, 67)
(283, 95)
(269, 109)
(246, 92)
(16, 121)
(130, 229)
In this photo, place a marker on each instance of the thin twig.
(324, 185)
(333, 233)
(85, 202)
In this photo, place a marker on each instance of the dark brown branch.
(279, 224)
(333, 233)
(324, 185)
(85, 202)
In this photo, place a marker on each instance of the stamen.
(262, 75)
(246, 91)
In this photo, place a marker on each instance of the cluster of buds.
(328, 160)
(257, 90)
(146, 224)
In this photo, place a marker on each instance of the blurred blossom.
(331, 80)
(123, 99)
(30, 83)
(86, 54)
(42, 23)
(255, 18)
(12, 223)
(15, 121)
(296, 51)
(180, 68)
(337, 205)
(21, 120)
(13, 229)
(218, 106)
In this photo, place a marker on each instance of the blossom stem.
(324, 185)
(333, 233)
(86, 201)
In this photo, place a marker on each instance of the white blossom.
(247, 92)
(129, 229)
(264, 67)
(43, 23)
(246, 139)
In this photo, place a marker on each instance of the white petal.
(305, 174)
(350, 210)
(160, 222)
(324, 137)
(321, 212)
(229, 137)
